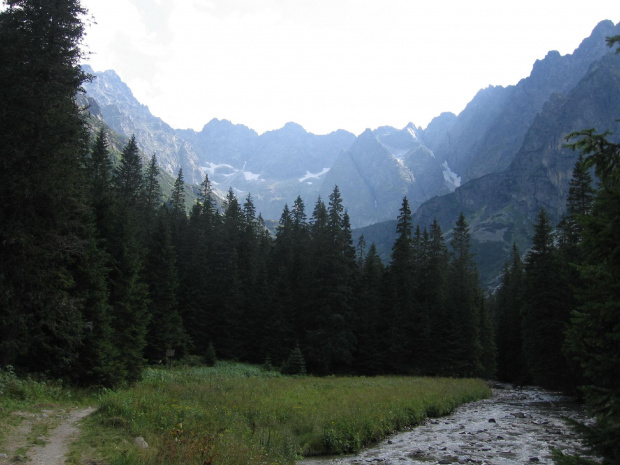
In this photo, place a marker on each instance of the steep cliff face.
(381, 168)
(274, 167)
(492, 142)
(221, 141)
(502, 207)
(120, 110)
(487, 135)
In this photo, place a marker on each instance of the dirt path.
(42, 438)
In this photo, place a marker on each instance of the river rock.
(518, 435)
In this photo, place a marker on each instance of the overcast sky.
(327, 64)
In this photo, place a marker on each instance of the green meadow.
(240, 414)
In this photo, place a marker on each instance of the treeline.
(166, 280)
(100, 276)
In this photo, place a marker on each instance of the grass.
(30, 397)
(238, 414)
(31, 393)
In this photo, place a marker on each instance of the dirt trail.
(21, 447)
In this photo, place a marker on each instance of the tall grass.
(236, 414)
(27, 392)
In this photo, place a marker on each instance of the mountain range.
(499, 161)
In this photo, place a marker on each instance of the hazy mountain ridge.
(501, 207)
(498, 161)
(275, 167)
(382, 167)
(487, 134)
(122, 112)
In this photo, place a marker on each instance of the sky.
(327, 64)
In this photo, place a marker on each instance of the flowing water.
(514, 426)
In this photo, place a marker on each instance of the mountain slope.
(486, 136)
(501, 207)
(274, 167)
(124, 114)
(382, 167)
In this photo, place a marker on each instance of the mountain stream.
(514, 426)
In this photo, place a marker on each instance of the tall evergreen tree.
(545, 311)
(594, 333)
(579, 205)
(152, 192)
(177, 196)
(298, 269)
(508, 305)
(369, 322)
(329, 340)
(127, 249)
(281, 320)
(197, 281)
(464, 304)
(46, 228)
(401, 298)
(434, 298)
(165, 330)
(128, 178)
(128, 294)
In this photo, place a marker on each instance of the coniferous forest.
(100, 275)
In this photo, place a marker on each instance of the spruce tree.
(464, 304)
(369, 321)
(282, 318)
(434, 298)
(198, 285)
(177, 197)
(127, 246)
(46, 230)
(545, 310)
(401, 296)
(165, 329)
(295, 363)
(578, 205)
(152, 192)
(594, 332)
(298, 269)
(128, 177)
(508, 305)
(329, 340)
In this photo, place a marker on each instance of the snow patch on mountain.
(399, 160)
(450, 176)
(211, 168)
(310, 175)
(249, 176)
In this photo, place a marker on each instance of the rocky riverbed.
(514, 426)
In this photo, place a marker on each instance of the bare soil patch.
(42, 438)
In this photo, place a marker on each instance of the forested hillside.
(100, 276)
